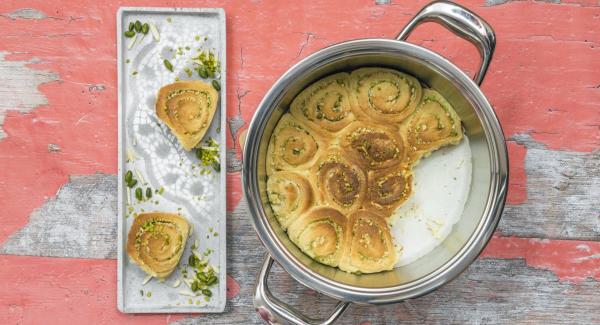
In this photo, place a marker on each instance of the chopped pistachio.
(168, 65)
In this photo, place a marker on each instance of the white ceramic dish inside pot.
(489, 178)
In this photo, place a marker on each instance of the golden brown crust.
(325, 104)
(384, 95)
(293, 146)
(372, 146)
(433, 125)
(290, 195)
(369, 246)
(338, 183)
(321, 233)
(187, 107)
(358, 163)
(156, 241)
(388, 189)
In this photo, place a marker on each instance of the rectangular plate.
(159, 158)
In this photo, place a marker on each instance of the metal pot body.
(489, 179)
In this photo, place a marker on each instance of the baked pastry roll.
(369, 247)
(338, 182)
(156, 242)
(293, 146)
(321, 234)
(187, 107)
(372, 146)
(433, 125)
(289, 195)
(384, 95)
(325, 105)
(388, 189)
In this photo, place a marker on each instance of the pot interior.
(438, 74)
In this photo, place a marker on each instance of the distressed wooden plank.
(562, 200)
(88, 77)
(63, 291)
(19, 89)
(490, 291)
(560, 204)
(543, 82)
(79, 222)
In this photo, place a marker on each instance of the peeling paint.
(234, 163)
(20, 84)
(233, 287)
(53, 147)
(563, 257)
(491, 3)
(79, 222)
(27, 13)
(561, 200)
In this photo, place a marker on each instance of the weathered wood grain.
(560, 204)
(562, 195)
(490, 291)
(543, 84)
(79, 222)
(19, 86)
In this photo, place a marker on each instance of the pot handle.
(462, 22)
(272, 309)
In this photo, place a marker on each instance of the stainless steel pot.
(489, 180)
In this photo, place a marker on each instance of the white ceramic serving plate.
(159, 158)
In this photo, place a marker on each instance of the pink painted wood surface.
(58, 118)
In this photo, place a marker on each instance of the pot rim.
(471, 248)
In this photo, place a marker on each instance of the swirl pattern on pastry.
(340, 163)
(369, 247)
(289, 195)
(372, 146)
(325, 104)
(433, 125)
(156, 242)
(321, 234)
(187, 107)
(384, 95)
(340, 183)
(388, 189)
(292, 146)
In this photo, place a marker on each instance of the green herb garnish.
(138, 194)
(168, 65)
(209, 154)
(216, 85)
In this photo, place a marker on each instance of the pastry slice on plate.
(156, 242)
(187, 107)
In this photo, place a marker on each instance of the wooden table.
(58, 157)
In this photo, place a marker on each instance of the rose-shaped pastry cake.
(292, 146)
(369, 248)
(372, 146)
(433, 125)
(388, 189)
(156, 242)
(384, 95)
(325, 105)
(187, 107)
(289, 195)
(338, 182)
(321, 234)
